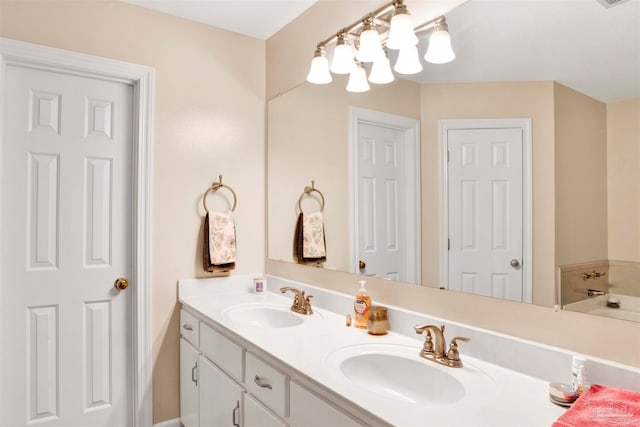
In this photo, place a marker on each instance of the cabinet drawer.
(268, 385)
(190, 328)
(222, 351)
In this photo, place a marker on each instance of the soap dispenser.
(361, 306)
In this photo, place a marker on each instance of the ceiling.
(579, 43)
(256, 18)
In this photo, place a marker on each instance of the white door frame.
(527, 201)
(411, 131)
(18, 53)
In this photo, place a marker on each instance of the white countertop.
(513, 400)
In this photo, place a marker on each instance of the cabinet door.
(220, 397)
(309, 410)
(188, 384)
(256, 415)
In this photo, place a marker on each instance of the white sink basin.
(399, 373)
(264, 316)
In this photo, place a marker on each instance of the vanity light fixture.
(370, 44)
(319, 73)
(342, 62)
(381, 71)
(408, 61)
(365, 41)
(439, 50)
(358, 80)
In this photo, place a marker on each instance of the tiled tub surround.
(629, 307)
(521, 369)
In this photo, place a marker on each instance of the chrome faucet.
(436, 352)
(301, 304)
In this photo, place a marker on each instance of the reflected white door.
(67, 212)
(381, 193)
(485, 195)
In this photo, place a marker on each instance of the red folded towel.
(602, 406)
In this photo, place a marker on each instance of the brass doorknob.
(362, 265)
(121, 284)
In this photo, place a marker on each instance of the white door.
(485, 212)
(66, 218)
(381, 193)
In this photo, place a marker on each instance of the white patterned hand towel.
(222, 238)
(313, 236)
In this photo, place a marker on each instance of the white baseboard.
(169, 423)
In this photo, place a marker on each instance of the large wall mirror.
(552, 87)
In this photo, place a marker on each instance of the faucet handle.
(453, 354)
(307, 304)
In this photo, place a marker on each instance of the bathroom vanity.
(248, 360)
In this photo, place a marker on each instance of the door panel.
(67, 213)
(381, 189)
(485, 213)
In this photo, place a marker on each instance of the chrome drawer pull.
(187, 327)
(193, 373)
(235, 418)
(258, 380)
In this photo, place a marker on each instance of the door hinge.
(448, 244)
(448, 156)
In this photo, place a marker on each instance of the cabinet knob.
(187, 327)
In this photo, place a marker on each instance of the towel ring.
(309, 190)
(215, 187)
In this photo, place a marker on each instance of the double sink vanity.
(248, 360)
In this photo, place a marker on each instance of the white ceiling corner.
(255, 18)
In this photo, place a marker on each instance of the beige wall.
(308, 140)
(581, 177)
(623, 159)
(288, 56)
(209, 120)
(493, 100)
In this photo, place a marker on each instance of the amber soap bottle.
(361, 306)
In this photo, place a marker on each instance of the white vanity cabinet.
(189, 384)
(220, 397)
(256, 415)
(223, 384)
(309, 410)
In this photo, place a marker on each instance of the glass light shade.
(408, 61)
(439, 50)
(381, 71)
(370, 47)
(342, 59)
(319, 73)
(358, 80)
(401, 33)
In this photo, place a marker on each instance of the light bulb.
(370, 47)
(358, 80)
(401, 33)
(342, 58)
(319, 72)
(439, 50)
(381, 71)
(408, 61)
